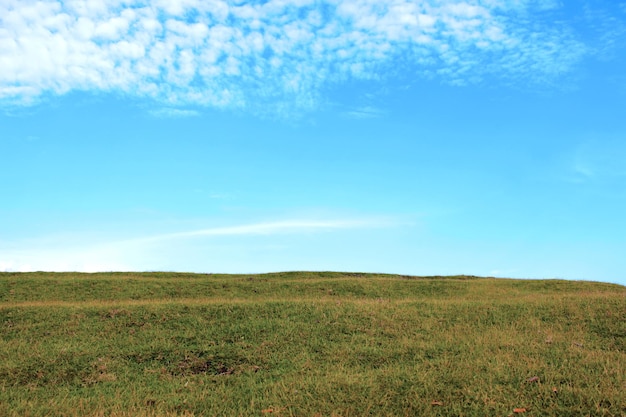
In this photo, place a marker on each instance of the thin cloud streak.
(595, 161)
(139, 253)
(168, 112)
(272, 228)
(366, 112)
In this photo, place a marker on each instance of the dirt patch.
(211, 366)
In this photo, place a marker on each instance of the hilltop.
(309, 343)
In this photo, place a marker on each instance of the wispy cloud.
(230, 54)
(272, 228)
(168, 112)
(595, 160)
(141, 253)
(366, 112)
(606, 28)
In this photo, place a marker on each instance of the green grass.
(309, 344)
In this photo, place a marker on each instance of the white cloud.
(173, 112)
(13, 266)
(272, 228)
(599, 160)
(226, 54)
(93, 259)
(146, 253)
(606, 28)
(365, 112)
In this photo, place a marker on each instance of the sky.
(421, 137)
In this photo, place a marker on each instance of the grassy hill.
(309, 344)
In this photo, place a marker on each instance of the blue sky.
(483, 137)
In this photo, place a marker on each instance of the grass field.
(309, 344)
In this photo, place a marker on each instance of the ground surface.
(309, 344)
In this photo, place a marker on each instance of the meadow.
(309, 344)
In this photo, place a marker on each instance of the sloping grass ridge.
(309, 344)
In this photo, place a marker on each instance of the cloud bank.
(233, 54)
